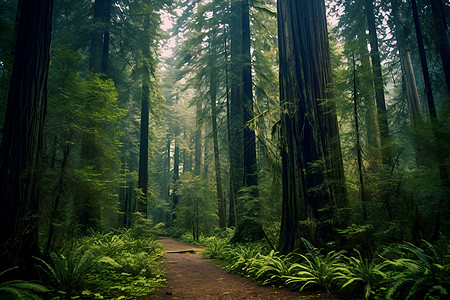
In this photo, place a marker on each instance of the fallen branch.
(182, 251)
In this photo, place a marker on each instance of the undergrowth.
(115, 265)
(400, 271)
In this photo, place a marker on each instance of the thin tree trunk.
(213, 99)
(358, 143)
(105, 53)
(143, 140)
(176, 172)
(378, 83)
(232, 212)
(198, 141)
(20, 151)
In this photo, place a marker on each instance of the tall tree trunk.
(236, 105)
(250, 169)
(248, 228)
(168, 172)
(198, 141)
(437, 7)
(358, 143)
(440, 155)
(105, 52)
(378, 83)
(176, 174)
(213, 99)
(232, 211)
(305, 73)
(95, 63)
(21, 146)
(367, 97)
(409, 81)
(143, 140)
(205, 152)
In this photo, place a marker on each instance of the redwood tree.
(310, 153)
(21, 146)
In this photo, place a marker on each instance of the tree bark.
(440, 155)
(409, 81)
(236, 105)
(213, 99)
(308, 124)
(198, 141)
(95, 62)
(440, 24)
(21, 146)
(232, 211)
(358, 143)
(143, 140)
(378, 83)
(105, 52)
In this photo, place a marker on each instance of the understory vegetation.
(121, 264)
(396, 271)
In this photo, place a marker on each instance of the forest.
(303, 143)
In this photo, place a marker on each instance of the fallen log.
(182, 251)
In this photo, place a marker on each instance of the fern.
(67, 272)
(357, 271)
(316, 270)
(421, 272)
(20, 289)
(271, 268)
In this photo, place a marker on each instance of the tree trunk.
(231, 213)
(409, 81)
(236, 106)
(305, 73)
(198, 141)
(213, 99)
(440, 24)
(21, 146)
(358, 143)
(105, 53)
(95, 63)
(378, 83)
(168, 172)
(143, 140)
(440, 155)
(176, 172)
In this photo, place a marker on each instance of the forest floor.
(189, 276)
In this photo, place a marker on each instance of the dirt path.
(189, 276)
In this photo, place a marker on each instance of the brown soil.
(189, 276)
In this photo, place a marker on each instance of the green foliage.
(126, 265)
(197, 207)
(316, 270)
(68, 271)
(20, 289)
(111, 265)
(420, 272)
(271, 268)
(361, 274)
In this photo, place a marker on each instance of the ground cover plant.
(400, 271)
(114, 265)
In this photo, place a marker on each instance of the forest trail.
(189, 276)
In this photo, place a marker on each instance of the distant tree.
(378, 82)
(20, 151)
